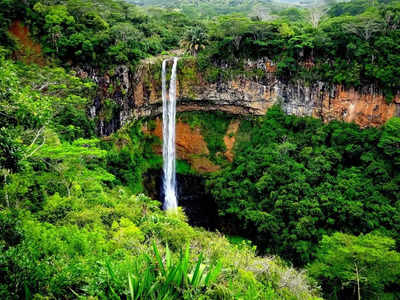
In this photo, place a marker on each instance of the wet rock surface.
(192, 197)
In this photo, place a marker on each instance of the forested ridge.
(355, 43)
(74, 219)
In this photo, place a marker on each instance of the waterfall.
(169, 156)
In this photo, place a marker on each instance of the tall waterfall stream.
(169, 153)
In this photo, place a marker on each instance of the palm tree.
(194, 40)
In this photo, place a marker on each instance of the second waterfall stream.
(169, 153)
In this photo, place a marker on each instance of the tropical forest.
(200, 149)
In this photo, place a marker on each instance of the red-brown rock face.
(230, 139)
(362, 109)
(190, 146)
(29, 50)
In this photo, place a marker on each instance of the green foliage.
(355, 7)
(295, 179)
(129, 155)
(89, 247)
(101, 33)
(172, 278)
(210, 8)
(390, 139)
(238, 240)
(10, 150)
(182, 167)
(293, 14)
(344, 262)
(38, 107)
(194, 40)
(32, 97)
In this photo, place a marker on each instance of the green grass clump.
(165, 278)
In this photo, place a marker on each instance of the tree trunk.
(6, 195)
(358, 282)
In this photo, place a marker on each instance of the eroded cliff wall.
(124, 95)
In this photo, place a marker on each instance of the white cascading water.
(169, 156)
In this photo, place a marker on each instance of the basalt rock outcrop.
(133, 95)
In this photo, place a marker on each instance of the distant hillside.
(210, 8)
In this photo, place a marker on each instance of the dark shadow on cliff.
(198, 205)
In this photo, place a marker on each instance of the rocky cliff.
(124, 95)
